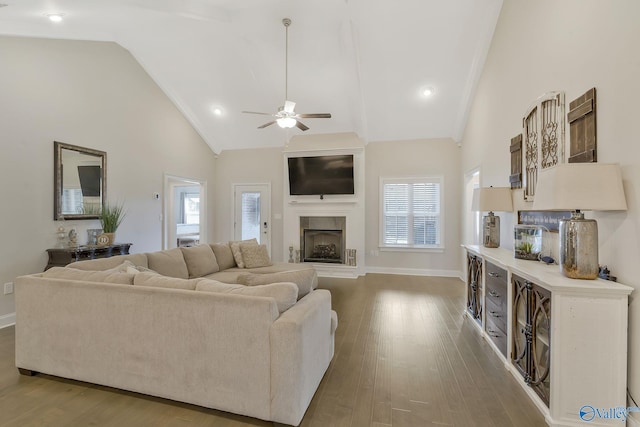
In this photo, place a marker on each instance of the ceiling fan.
(286, 117)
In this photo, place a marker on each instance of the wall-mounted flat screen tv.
(321, 175)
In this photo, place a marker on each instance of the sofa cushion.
(200, 260)
(168, 263)
(223, 254)
(237, 253)
(305, 279)
(159, 281)
(90, 276)
(285, 294)
(255, 255)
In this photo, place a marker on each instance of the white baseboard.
(413, 271)
(7, 320)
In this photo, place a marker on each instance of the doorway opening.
(252, 213)
(184, 212)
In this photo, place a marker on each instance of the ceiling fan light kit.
(286, 117)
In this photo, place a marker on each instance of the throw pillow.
(168, 263)
(237, 253)
(255, 256)
(159, 281)
(122, 268)
(223, 254)
(285, 294)
(306, 280)
(90, 276)
(200, 260)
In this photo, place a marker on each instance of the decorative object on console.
(543, 132)
(92, 236)
(578, 187)
(527, 242)
(73, 238)
(582, 128)
(111, 217)
(61, 234)
(489, 199)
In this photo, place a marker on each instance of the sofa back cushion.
(90, 276)
(285, 294)
(168, 263)
(223, 254)
(255, 255)
(107, 263)
(158, 281)
(200, 260)
(306, 280)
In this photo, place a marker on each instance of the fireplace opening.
(323, 246)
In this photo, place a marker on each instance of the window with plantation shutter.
(411, 212)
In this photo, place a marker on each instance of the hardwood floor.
(405, 356)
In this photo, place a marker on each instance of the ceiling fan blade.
(315, 116)
(289, 106)
(266, 124)
(255, 112)
(301, 125)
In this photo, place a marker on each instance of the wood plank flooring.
(405, 356)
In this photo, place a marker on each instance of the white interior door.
(252, 213)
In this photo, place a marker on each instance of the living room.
(96, 94)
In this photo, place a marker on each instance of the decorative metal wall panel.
(543, 130)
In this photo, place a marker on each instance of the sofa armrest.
(302, 343)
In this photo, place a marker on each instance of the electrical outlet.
(8, 288)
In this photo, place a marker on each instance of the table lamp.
(577, 187)
(489, 199)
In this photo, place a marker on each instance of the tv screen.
(90, 180)
(321, 175)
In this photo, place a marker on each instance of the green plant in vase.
(111, 217)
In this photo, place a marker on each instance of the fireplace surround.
(322, 239)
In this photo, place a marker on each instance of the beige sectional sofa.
(189, 334)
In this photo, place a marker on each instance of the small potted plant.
(111, 217)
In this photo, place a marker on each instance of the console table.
(59, 257)
(565, 340)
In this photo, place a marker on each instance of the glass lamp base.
(579, 247)
(491, 231)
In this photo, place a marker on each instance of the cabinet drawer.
(493, 271)
(497, 335)
(497, 314)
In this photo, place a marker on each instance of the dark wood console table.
(59, 257)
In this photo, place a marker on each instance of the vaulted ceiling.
(366, 62)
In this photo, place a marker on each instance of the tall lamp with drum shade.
(578, 187)
(489, 199)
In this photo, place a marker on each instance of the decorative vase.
(106, 239)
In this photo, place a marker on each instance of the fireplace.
(323, 246)
(322, 239)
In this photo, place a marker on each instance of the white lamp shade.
(580, 186)
(492, 199)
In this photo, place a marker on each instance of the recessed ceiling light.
(427, 91)
(54, 17)
(217, 111)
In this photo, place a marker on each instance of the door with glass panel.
(252, 213)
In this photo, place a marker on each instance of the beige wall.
(259, 166)
(569, 45)
(406, 159)
(94, 95)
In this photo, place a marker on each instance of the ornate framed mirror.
(80, 181)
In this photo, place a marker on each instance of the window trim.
(410, 180)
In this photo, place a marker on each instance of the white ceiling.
(364, 61)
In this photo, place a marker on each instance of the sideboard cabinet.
(59, 257)
(566, 338)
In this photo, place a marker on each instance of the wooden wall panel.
(582, 128)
